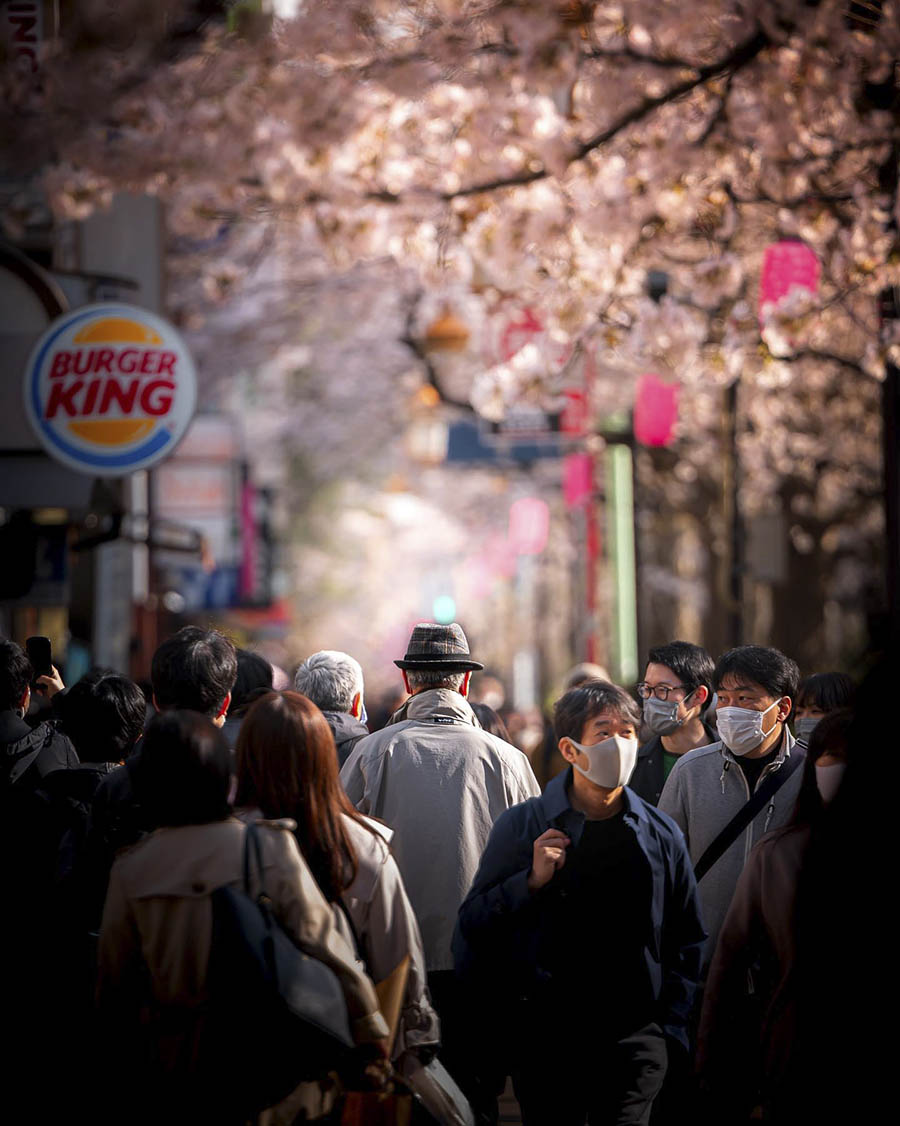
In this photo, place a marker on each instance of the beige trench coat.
(388, 933)
(157, 927)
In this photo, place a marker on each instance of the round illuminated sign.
(110, 389)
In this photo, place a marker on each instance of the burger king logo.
(110, 389)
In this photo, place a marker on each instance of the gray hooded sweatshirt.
(705, 789)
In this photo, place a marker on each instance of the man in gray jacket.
(440, 782)
(708, 786)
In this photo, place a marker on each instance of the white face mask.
(828, 780)
(804, 726)
(741, 729)
(610, 763)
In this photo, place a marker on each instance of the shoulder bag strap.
(745, 815)
(252, 845)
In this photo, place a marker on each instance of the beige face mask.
(611, 763)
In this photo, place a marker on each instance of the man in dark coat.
(32, 761)
(35, 802)
(334, 682)
(583, 923)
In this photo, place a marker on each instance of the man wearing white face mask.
(727, 795)
(583, 925)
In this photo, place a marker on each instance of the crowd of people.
(639, 941)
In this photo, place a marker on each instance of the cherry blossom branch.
(736, 60)
(719, 114)
(825, 357)
(669, 62)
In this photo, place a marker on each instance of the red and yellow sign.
(110, 389)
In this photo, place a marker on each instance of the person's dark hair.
(826, 690)
(103, 714)
(254, 679)
(573, 710)
(491, 721)
(287, 767)
(15, 675)
(691, 664)
(831, 734)
(768, 668)
(195, 669)
(183, 773)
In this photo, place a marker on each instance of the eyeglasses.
(660, 691)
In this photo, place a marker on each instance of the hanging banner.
(655, 410)
(787, 265)
(110, 389)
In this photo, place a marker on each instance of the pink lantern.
(655, 410)
(529, 525)
(578, 478)
(787, 265)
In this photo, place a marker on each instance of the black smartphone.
(38, 651)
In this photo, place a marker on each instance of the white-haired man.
(440, 781)
(334, 682)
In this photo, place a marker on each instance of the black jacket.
(347, 732)
(649, 772)
(38, 803)
(116, 821)
(30, 754)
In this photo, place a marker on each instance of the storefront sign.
(110, 389)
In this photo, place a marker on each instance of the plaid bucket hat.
(433, 646)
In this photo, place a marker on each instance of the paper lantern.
(787, 265)
(447, 333)
(655, 410)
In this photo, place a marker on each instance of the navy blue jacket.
(500, 926)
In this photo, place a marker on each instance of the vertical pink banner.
(655, 410)
(578, 479)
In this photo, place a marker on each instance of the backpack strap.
(745, 814)
(252, 846)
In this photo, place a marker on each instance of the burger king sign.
(110, 389)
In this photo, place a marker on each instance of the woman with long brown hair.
(155, 983)
(287, 767)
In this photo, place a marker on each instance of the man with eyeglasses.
(677, 686)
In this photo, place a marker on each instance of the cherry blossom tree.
(474, 156)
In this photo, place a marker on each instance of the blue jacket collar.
(555, 799)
